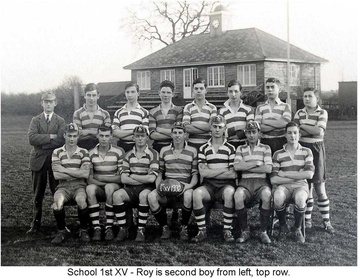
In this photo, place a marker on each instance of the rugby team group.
(235, 155)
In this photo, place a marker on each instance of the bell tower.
(220, 21)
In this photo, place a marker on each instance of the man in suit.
(45, 134)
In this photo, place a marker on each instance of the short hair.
(167, 83)
(291, 124)
(132, 84)
(273, 80)
(233, 83)
(105, 127)
(91, 87)
(311, 89)
(199, 80)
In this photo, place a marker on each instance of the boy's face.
(272, 90)
(131, 94)
(199, 90)
(217, 130)
(292, 135)
(91, 97)
(104, 137)
(71, 138)
(252, 135)
(234, 93)
(48, 105)
(178, 135)
(140, 139)
(166, 94)
(309, 99)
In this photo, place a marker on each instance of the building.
(249, 55)
(347, 98)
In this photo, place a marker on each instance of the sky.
(43, 42)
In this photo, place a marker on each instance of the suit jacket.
(39, 138)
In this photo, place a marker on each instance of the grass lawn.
(320, 249)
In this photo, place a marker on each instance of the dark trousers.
(39, 181)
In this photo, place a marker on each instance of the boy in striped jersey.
(89, 117)
(313, 122)
(177, 161)
(292, 166)
(104, 179)
(139, 171)
(254, 160)
(128, 117)
(273, 116)
(236, 114)
(162, 117)
(71, 166)
(198, 114)
(216, 159)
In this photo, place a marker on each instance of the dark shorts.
(125, 145)
(319, 161)
(253, 188)
(101, 193)
(159, 145)
(133, 192)
(87, 144)
(236, 144)
(216, 188)
(274, 143)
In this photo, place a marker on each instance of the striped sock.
(143, 211)
(309, 209)
(109, 215)
(200, 218)
(323, 207)
(228, 214)
(120, 213)
(94, 215)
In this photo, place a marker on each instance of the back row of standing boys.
(220, 156)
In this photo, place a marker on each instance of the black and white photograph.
(193, 138)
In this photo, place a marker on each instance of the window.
(216, 76)
(246, 74)
(167, 75)
(143, 80)
(295, 75)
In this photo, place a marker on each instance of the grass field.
(320, 249)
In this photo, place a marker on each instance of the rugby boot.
(84, 237)
(108, 234)
(166, 232)
(328, 227)
(59, 238)
(184, 236)
(122, 234)
(201, 236)
(228, 236)
(140, 235)
(97, 234)
(265, 238)
(245, 236)
(298, 236)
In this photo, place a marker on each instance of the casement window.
(143, 80)
(167, 75)
(216, 76)
(246, 74)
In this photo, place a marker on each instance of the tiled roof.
(240, 45)
(111, 88)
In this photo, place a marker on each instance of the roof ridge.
(262, 49)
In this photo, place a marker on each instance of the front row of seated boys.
(121, 180)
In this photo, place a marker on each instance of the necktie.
(48, 119)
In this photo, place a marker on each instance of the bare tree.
(169, 22)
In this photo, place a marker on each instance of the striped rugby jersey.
(83, 120)
(236, 119)
(146, 165)
(182, 167)
(158, 119)
(110, 165)
(78, 159)
(302, 160)
(123, 119)
(193, 114)
(261, 152)
(318, 118)
(224, 158)
(264, 112)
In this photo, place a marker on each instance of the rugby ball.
(171, 187)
